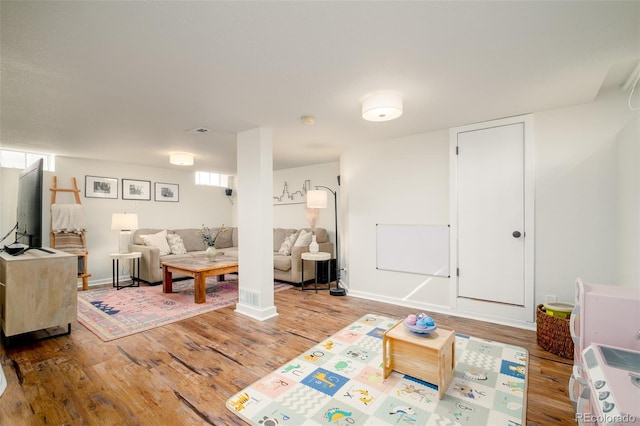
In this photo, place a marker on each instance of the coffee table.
(199, 268)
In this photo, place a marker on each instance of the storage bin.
(558, 309)
(553, 333)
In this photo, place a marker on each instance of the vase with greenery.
(210, 241)
(312, 216)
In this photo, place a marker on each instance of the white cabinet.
(38, 290)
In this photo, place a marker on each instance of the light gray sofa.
(285, 267)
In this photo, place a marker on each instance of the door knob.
(516, 234)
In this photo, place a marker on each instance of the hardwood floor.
(182, 373)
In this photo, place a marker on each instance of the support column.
(255, 224)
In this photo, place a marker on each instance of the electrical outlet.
(550, 298)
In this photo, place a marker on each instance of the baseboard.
(103, 282)
(256, 313)
(441, 309)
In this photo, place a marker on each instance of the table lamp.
(124, 222)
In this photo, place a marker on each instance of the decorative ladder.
(81, 250)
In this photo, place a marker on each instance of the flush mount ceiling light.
(181, 158)
(308, 120)
(382, 107)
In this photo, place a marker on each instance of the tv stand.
(38, 291)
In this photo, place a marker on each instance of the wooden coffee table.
(199, 269)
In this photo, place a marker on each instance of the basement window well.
(20, 159)
(212, 179)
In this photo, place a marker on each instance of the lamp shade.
(382, 107)
(124, 221)
(181, 158)
(317, 199)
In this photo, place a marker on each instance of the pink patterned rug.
(112, 314)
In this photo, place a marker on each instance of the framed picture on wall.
(167, 192)
(133, 189)
(292, 195)
(100, 187)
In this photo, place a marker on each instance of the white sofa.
(285, 267)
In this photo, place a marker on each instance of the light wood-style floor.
(183, 373)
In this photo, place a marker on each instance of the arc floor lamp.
(317, 199)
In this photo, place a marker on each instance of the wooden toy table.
(430, 358)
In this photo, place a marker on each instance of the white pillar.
(255, 223)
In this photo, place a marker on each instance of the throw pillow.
(176, 244)
(285, 248)
(293, 237)
(158, 240)
(224, 238)
(304, 239)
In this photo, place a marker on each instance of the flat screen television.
(29, 214)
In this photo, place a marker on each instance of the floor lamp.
(317, 199)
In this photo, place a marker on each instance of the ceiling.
(127, 81)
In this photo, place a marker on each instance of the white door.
(491, 214)
(493, 260)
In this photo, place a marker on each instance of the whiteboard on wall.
(418, 249)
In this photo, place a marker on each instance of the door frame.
(485, 308)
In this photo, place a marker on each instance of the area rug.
(340, 382)
(111, 314)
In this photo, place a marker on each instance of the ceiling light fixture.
(308, 120)
(382, 107)
(181, 158)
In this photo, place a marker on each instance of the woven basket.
(553, 334)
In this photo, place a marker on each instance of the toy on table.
(411, 319)
(420, 323)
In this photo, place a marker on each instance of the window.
(21, 160)
(212, 179)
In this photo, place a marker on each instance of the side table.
(316, 257)
(135, 272)
(430, 358)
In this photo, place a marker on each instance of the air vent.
(249, 297)
(199, 130)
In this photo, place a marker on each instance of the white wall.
(198, 205)
(628, 203)
(578, 151)
(8, 202)
(577, 221)
(401, 181)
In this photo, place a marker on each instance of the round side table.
(317, 257)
